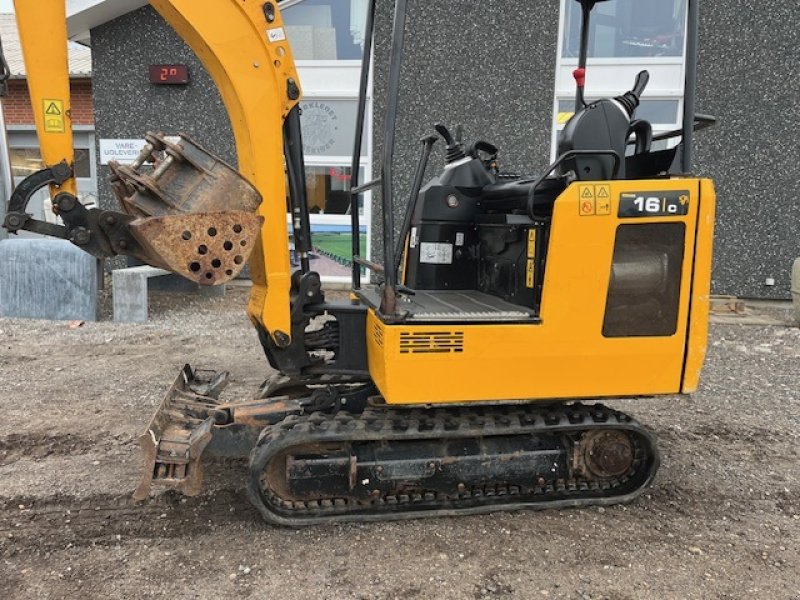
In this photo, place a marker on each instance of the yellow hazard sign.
(54, 118)
(530, 278)
(594, 200)
(532, 243)
(586, 201)
(603, 195)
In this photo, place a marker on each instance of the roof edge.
(84, 15)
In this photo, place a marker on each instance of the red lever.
(580, 77)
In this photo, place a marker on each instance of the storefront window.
(629, 29)
(328, 189)
(26, 161)
(328, 126)
(661, 112)
(326, 29)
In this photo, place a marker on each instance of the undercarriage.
(336, 453)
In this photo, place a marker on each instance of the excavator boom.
(182, 208)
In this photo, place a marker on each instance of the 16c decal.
(653, 204)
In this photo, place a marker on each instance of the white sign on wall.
(122, 151)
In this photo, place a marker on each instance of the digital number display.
(653, 204)
(169, 74)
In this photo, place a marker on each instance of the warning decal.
(595, 200)
(530, 274)
(586, 204)
(433, 253)
(531, 243)
(54, 116)
(603, 194)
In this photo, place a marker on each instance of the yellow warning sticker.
(530, 278)
(532, 243)
(594, 200)
(54, 121)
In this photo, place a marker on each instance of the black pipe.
(388, 304)
(366, 58)
(296, 173)
(583, 55)
(690, 88)
(419, 177)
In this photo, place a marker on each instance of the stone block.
(47, 279)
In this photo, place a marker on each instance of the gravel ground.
(721, 521)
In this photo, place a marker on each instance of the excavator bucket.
(207, 248)
(193, 214)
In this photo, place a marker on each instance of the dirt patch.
(721, 521)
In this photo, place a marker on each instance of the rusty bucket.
(194, 214)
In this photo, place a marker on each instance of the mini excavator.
(467, 378)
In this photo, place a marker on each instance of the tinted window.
(26, 161)
(326, 29)
(628, 28)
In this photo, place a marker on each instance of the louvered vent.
(377, 335)
(431, 343)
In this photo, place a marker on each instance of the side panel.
(250, 60)
(567, 355)
(701, 288)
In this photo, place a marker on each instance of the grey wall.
(487, 65)
(127, 105)
(748, 78)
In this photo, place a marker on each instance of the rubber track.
(410, 424)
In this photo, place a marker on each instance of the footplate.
(180, 430)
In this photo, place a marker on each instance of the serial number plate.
(653, 204)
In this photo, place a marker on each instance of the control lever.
(642, 79)
(630, 100)
(443, 131)
(455, 149)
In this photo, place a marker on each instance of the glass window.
(329, 195)
(328, 191)
(628, 28)
(328, 127)
(26, 161)
(326, 29)
(656, 111)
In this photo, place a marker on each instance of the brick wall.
(18, 110)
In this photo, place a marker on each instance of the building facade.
(502, 70)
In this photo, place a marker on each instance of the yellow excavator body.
(458, 387)
(566, 353)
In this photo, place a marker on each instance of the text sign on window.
(169, 74)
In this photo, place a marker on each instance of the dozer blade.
(207, 248)
(179, 431)
(190, 213)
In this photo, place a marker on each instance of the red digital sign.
(169, 74)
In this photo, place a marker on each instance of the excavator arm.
(182, 208)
